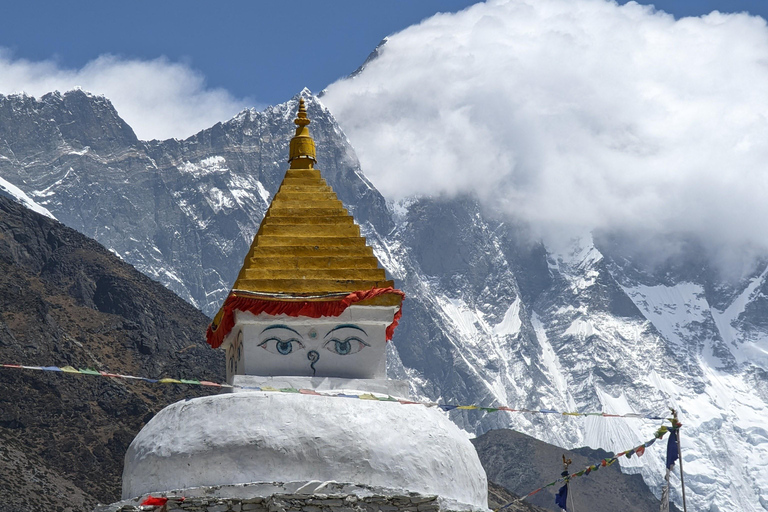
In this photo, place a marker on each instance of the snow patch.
(211, 165)
(672, 309)
(50, 190)
(510, 325)
(10, 190)
(263, 192)
(551, 362)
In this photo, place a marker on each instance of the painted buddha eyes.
(344, 347)
(281, 347)
(286, 340)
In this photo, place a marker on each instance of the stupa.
(305, 330)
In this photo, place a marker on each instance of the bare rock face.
(66, 300)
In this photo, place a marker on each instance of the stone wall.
(292, 503)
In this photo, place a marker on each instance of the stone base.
(292, 497)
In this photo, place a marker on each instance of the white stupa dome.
(284, 437)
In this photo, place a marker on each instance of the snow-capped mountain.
(490, 318)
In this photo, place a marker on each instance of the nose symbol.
(313, 356)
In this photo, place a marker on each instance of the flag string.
(638, 450)
(363, 396)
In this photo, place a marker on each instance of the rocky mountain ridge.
(66, 300)
(491, 317)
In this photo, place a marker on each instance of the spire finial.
(301, 117)
(302, 154)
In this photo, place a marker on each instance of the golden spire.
(302, 155)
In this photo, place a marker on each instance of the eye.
(346, 346)
(281, 347)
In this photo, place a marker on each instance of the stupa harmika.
(311, 310)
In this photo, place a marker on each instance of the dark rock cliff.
(66, 300)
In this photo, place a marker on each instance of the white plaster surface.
(394, 388)
(251, 345)
(283, 437)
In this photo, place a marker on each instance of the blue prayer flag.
(672, 451)
(562, 497)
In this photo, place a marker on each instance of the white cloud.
(157, 98)
(574, 114)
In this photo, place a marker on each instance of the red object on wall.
(152, 501)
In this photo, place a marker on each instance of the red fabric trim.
(215, 336)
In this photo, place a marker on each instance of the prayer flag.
(672, 452)
(562, 497)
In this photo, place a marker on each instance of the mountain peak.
(77, 119)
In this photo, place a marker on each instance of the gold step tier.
(313, 287)
(282, 211)
(309, 245)
(359, 274)
(304, 221)
(283, 262)
(310, 251)
(310, 230)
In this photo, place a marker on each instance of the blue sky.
(262, 52)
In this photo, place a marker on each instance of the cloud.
(574, 114)
(158, 98)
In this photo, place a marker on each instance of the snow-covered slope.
(13, 192)
(490, 318)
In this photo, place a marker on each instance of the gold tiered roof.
(308, 245)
